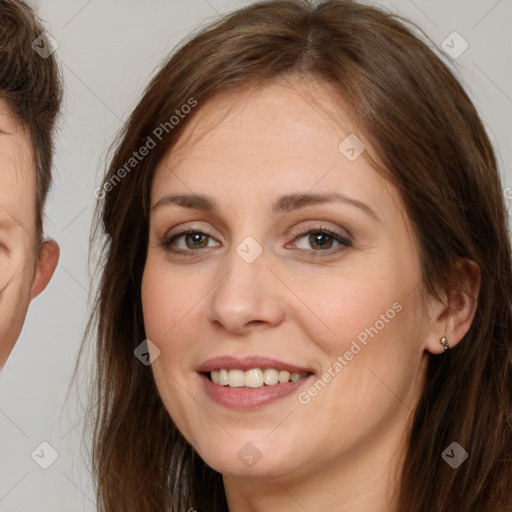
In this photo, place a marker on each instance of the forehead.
(276, 115)
(282, 137)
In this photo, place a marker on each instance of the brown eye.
(192, 241)
(322, 239)
(196, 240)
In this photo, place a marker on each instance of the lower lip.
(249, 398)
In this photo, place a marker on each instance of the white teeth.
(236, 378)
(223, 377)
(253, 378)
(271, 377)
(284, 376)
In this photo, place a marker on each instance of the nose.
(248, 295)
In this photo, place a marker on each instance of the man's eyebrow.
(284, 204)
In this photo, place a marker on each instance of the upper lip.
(248, 363)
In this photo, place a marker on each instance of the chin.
(247, 456)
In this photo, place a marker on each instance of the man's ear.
(48, 259)
(454, 317)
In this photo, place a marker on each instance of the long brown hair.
(433, 147)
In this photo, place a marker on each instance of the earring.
(444, 343)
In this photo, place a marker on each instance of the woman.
(305, 298)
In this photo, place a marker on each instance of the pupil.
(317, 239)
(196, 237)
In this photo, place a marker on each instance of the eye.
(321, 239)
(191, 238)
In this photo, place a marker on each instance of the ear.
(454, 316)
(46, 264)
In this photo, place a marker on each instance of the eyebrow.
(284, 204)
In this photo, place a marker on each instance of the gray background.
(108, 49)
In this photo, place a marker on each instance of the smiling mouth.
(253, 378)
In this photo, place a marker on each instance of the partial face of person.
(20, 268)
(282, 288)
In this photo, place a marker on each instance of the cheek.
(373, 361)
(169, 298)
(167, 304)
(161, 298)
(355, 303)
(14, 303)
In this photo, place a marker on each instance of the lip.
(250, 398)
(248, 363)
(247, 399)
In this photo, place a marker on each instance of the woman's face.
(281, 280)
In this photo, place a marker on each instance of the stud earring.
(444, 343)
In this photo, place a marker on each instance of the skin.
(339, 451)
(23, 274)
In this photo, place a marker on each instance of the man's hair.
(30, 84)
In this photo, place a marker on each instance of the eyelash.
(344, 241)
